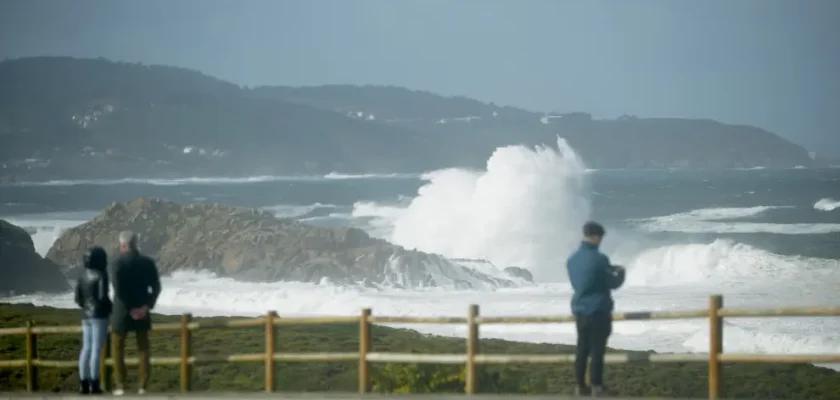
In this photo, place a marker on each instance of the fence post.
(186, 353)
(715, 347)
(31, 358)
(104, 368)
(270, 349)
(365, 344)
(472, 350)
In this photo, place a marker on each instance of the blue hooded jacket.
(592, 278)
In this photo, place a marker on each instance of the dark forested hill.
(388, 102)
(64, 118)
(79, 117)
(626, 142)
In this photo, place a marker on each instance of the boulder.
(22, 269)
(255, 245)
(521, 273)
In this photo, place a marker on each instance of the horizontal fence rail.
(472, 358)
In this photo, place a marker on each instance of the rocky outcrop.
(255, 245)
(22, 269)
(521, 273)
(518, 274)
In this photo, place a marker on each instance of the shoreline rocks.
(521, 273)
(22, 269)
(254, 245)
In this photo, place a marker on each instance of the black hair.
(593, 229)
(96, 258)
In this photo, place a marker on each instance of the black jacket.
(92, 285)
(136, 284)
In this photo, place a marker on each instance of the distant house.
(466, 119)
(572, 117)
(547, 118)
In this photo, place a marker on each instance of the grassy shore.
(673, 380)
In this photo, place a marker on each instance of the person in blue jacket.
(592, 278)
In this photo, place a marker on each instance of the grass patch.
(672, 380)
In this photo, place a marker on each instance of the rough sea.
(759, 237)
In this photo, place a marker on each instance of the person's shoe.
(119, 392)
(84, 386)
(95, 388)
(583, 391)
(141, 391)
(600, 391)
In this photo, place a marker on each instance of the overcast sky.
(771, 63)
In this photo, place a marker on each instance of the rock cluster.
(251, 244)
(22, 269)
(520, 272)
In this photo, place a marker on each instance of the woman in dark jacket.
(92, 297)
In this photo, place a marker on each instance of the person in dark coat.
(136, 289)
(92, 297)
(592, 278)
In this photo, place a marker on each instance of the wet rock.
(22, 269)
(520, 273)
(255, 245)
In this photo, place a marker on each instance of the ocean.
(759, 237)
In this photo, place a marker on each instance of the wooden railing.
(471, 359)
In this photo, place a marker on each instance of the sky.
(770, 63)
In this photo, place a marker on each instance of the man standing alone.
(136, 289)
(592, 278)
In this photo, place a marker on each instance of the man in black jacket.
(92, 297)
(136, 289)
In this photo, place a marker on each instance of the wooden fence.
(471, 359)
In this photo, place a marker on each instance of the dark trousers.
(592, 334)
(118, 353)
